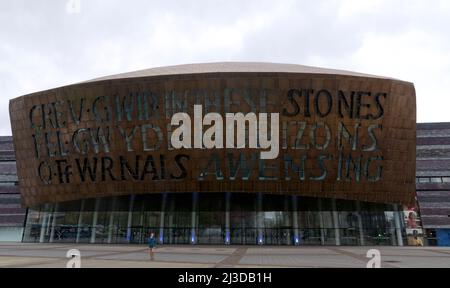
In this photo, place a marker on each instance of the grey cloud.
(42, 46)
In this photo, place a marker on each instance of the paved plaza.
(54, 255)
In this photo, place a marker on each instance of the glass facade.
(216, 218)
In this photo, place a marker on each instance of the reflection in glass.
(214, 218)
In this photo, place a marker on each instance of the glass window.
(243, 202)
(345, 205)
(436, 180)
(211, 202)
(327, 219)
(275, 223)
(276, 202)
(309, 204)
(424, 180)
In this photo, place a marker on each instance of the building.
(184, 152)
(433, 181)
(12, 215)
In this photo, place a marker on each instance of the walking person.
(151, 245)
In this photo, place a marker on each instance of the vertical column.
(392, 226)
(111, 219)
(194, 217)
(44, 223)
(336, 222)
(360, 224)
(398, 227)
(227, 217)
(260, 218)
(286, 222)
(171, 211)
(94, 220)
(52, 232)
(49, 219)
(295, 221)
(322, 226)
(143, 229)
(161, 219)
(130, 218)
(80, 221)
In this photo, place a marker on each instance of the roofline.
(234, 67)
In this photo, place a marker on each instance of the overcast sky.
(48, 43)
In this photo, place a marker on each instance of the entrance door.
(443, 237)
(236, 236)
